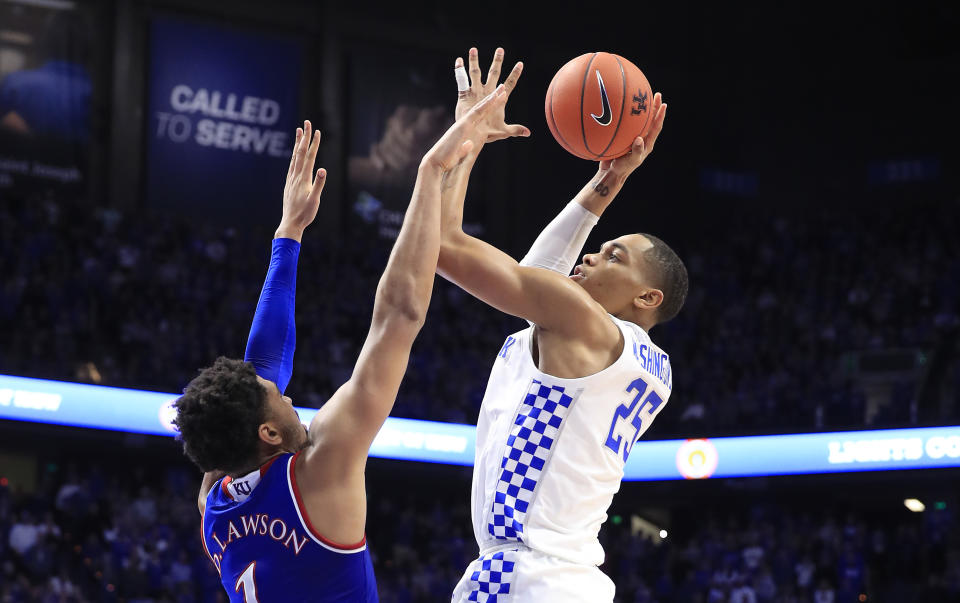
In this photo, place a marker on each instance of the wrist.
(289, 231)
(612, 177)
(429, 167)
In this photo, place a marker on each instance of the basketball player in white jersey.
(568, 396)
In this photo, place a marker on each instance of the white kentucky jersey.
(550, 451)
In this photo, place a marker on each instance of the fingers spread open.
(301, 149)
(518, 130)
(493, 75)
(318, 183)
(463, 82)
(475, 75)
(511, 82)
(293, 155)
(311, 153)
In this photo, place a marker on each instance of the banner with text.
(223, 107)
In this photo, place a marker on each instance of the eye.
(613, 258)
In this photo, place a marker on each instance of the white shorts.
(521, 575)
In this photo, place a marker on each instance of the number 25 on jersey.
(629, 418)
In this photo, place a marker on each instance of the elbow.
(445, 259)
(449, 251)
(401, 300)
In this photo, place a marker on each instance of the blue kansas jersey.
(259, 537)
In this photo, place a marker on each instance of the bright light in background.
(54, 4)
(136, 411)
(914, 505)
(15, 37)
(663, 533)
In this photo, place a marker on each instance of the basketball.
(597, 104)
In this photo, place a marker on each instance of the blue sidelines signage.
(807, 453)
(78, 405)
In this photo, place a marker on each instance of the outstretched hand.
(301, 194)
(458, 140)
(642, 145)
(495, 127)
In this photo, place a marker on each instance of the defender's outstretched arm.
(344, 428)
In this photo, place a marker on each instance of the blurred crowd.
(780, 311)
(89, 535)
(95, 536)
(771, 553)
(777, 312)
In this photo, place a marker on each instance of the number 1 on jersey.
(248, 584)
(635, 410)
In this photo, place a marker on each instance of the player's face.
(614, 274)
(283, 415)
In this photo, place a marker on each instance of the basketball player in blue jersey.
(283, 508)
(568, 397)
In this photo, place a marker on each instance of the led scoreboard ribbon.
(110, 408)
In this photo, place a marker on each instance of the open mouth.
(578, 274)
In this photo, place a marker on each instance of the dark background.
(776, 113)
(810, 117)
(798, 103)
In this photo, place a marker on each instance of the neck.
(638, 318)
(263, 460)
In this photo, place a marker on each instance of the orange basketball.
(597, 104)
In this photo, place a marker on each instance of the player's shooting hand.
(458, 140)
(642, 146)
(301, 194)
(495, 127)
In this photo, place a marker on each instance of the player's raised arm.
(560, 244)
(497, 278)
(272, 338)
(344, 428)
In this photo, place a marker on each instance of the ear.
(648, 299)
(270, 434)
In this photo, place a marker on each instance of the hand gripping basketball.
(642, 146)
(471, 90)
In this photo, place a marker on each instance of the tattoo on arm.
(448, 179)
(600, 188)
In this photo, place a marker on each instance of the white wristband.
(559, 245)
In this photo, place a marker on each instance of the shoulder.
(583, 319)
(210, 490)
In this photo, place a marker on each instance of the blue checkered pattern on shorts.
(492, 579)
(534, 431)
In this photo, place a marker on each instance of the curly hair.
(671, 277)
(219, 415)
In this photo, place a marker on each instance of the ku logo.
(641, 99)
(506, 347)
(242, 488)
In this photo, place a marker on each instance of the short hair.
(670, 276)
(219, 415)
